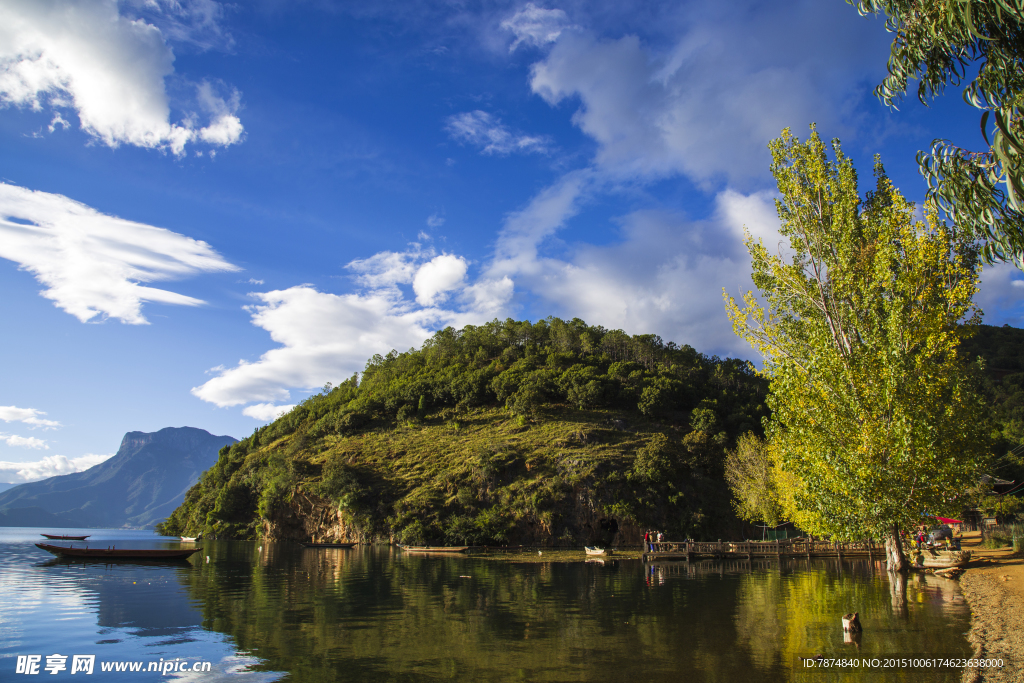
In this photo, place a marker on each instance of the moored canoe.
(118, 553)
(54, 537)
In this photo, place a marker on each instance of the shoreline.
(993, 586)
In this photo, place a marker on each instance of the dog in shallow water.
(851, 622)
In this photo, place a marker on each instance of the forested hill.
(1002, 349)
(508, 432)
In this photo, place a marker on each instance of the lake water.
(266, 612)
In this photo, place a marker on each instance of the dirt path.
(994, 589)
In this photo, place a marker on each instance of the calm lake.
(266, 612)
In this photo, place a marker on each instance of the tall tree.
(875, 417)
(750, 473)
(939, 43)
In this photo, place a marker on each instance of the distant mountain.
(143, 483)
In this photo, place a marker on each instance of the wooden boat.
(434, 549)
(54, 537)
(328, 545)
(942, 559)
(117, 554)
(594, 550)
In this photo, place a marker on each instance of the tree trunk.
(895, 559)
(898, 594)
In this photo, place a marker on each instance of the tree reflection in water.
(374, 614)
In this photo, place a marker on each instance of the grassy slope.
(482, 476)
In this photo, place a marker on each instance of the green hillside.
(1002, 349)
(510, 432)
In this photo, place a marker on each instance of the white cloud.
(535, 26)
(707, 107)
(488, 298)
(266, 412)
(29, 416)
(524, 230)
(323, 337)
(189, 21)
(326, 337)
(492, 136)
(437, 277)
(109, 68)
(1001, 295)
(433, 221)
(50, 466)
(23, 442)
(665, 274)
(386, 269)
(93, 264)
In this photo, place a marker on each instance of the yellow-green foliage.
(499, 432)
(876, 415)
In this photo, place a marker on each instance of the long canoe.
(942, 559)
(328, 545)
(117, 553)
(54, 537)
(434, 549)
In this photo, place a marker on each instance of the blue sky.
(209, 210)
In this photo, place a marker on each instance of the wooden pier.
(691, 550)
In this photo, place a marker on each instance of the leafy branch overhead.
(980, 42)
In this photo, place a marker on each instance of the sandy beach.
(994, 588)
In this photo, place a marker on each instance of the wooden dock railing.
(788, 548)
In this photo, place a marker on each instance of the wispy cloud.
(266, 412)
(493, 137)
(23, 441)
(50, 466)
(110, 69)
(29, 416)
(535, 26)
(92, 264)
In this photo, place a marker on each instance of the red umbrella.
(946, 520)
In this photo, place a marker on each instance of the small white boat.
(189, 539)
(594, 550)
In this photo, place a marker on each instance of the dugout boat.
(113, 553)
(328, 545)
(54, 537)
(434, 549)
(942, 559)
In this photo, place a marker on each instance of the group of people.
(652, 539)
(922, 538)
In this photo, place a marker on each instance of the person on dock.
(661, 539)
(647, 541)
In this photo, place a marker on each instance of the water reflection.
(376, 614)
(119, 612)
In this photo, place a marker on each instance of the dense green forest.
(1002, 349)
(551, 431)
(514, 431)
